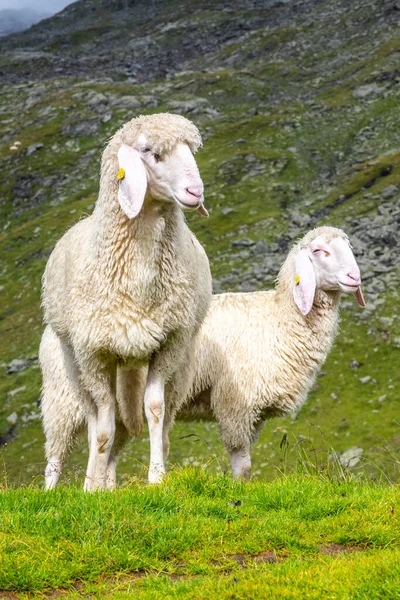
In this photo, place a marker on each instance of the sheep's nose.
(354, 275)
(195, 190)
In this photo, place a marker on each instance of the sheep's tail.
(130, 394)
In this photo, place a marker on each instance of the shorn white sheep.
(258, 354)
(127, 286)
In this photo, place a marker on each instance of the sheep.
(258, 354)
(129, 286)
(246, 368)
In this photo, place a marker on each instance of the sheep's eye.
(319, 250)
(146, 150)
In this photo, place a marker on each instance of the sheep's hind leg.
(61, 403)
(121, 437)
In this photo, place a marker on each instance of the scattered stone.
(107, 117)
(13, 418)
(363, 91)
(33, 148)
(244, 243)
(389, 192)
(365, 379)
(125, 102)
(351, 457)
(354, 364)
(226, 211)
(259, 248)
(19, 364)
(12, 393)
(89, 127)
(96, 98)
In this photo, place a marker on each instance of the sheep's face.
(329, 265)
(172, 176)
(334, 265)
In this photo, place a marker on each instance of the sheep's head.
(325, 261)
(156, 158)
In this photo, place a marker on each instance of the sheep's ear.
(132, 181)
(304, 282)
(203, 211)
(360, 298)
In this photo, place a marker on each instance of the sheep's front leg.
(241, 462)
(154, 407)
(92, 443)
(100, 383)
(52, 472)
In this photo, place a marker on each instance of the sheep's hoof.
(156, 475)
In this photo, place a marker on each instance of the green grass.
(205, 536)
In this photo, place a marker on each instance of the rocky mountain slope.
(297, 101)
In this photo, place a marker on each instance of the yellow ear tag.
(297, 280)
(121, 174)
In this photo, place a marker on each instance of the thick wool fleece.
(257, 356)
(118, 291)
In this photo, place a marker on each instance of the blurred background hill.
(18, 15)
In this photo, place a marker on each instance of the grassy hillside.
(201, 536)
(298, 106)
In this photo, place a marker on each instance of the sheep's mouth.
(348, 286)
(189, 205)
(355, 289)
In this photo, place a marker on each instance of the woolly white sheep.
(128, 286)
(258, 354)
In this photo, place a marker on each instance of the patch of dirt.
(330, 549)
(262, 557)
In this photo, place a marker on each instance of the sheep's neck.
(122, 243)
(310, 339)
(321, 322)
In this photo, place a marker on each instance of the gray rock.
(227, 210)
(363, 91)
(88, 127)
(12, 393)
(247, 286)
(13, 418)
(365, 379)
(19, 364)
(390, 5)
(126, 102)
(96, 98)
(195, 106)
(149, 101)
(259, 248)
(351, 457)
(389, 191)
(243, 243)
(31, 149)
(107, 117)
